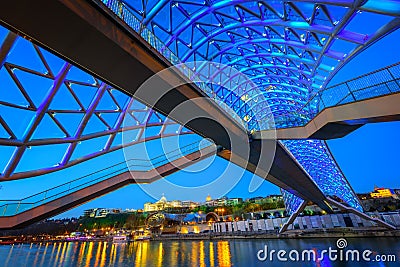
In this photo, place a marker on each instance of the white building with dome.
(163, 204)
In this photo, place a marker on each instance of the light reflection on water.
(184, 253)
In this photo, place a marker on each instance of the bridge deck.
(338, 121)
(78, 197)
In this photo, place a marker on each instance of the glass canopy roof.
(290, 49)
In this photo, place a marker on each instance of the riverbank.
(291, 234)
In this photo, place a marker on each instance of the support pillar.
(360, 214)
(293, 216)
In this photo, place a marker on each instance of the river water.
(204, 253)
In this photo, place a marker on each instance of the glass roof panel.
(298, 43)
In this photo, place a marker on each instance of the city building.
(234, 201)
(220, 201)
(163, 204)
(382, 192)
(100, 212)
(267, 199)
(86, 213)
(274, 198)
(223, 201)
(254, 199)
(189, 204)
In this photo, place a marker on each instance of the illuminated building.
(234, 201)
(382, 192)
(163, 204)
(223, 201)
(100, 212)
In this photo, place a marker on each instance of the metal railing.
(384, 81)
(13, 207)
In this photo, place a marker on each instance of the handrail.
(386, 70)
(63, 189)
(381, 82)
(362, 76)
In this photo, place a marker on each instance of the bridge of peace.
(251, 82)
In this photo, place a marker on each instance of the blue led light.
(272, 42)
(292, 202)
(317, 161)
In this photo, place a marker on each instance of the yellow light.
(196, 229)
(160, 254)
(244, 97)
(224, 254)
(211, 253)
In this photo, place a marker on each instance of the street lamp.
(222, 210)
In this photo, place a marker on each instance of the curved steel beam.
(301, 45)
(222, 4)
(123, 110)
(269, 67)
(264, 92)
(310, 48)
(290, 57)
(40, 113)
(340, 27)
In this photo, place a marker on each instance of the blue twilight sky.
(367, 157)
